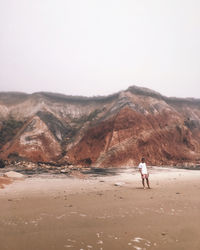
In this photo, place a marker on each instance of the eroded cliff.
(116, 130)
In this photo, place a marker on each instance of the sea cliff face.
(115, 130)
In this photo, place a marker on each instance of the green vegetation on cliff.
(8, 130)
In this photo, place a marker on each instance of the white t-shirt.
(143, 167)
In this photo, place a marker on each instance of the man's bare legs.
(147, 181)
(143, 183)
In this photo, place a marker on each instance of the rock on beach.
(14, 175)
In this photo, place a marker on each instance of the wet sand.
(4, 181)
(103, 212)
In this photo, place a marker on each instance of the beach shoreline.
(102, 212)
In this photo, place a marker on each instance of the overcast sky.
(98, 47)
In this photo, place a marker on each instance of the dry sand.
(56, 212)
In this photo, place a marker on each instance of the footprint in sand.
(68, 246)
(140, 241)
(60, 217)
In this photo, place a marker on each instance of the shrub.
(2, 163)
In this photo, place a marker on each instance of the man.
(144, 173)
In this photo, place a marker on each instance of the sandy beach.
(102, 211)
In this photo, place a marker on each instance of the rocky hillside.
(115, 130)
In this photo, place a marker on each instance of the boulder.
(64, 171)
(30, 166)
(14, 175)
(120, 184)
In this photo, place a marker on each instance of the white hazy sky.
(98, 47)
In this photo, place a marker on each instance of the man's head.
(143, 160)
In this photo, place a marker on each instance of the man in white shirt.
(144, 173)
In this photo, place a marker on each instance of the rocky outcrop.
(34, 141)
(116, 130)
(14, 175)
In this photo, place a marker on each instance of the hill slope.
(105, 131)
